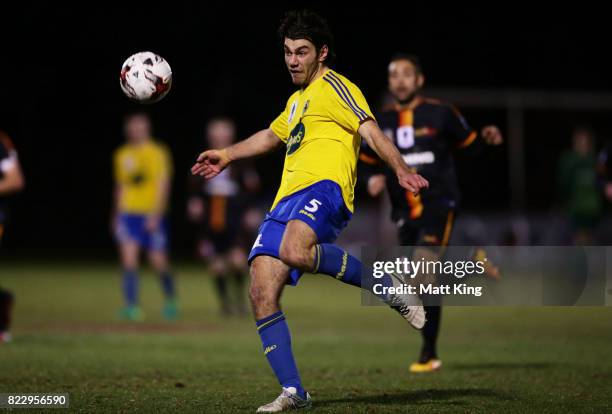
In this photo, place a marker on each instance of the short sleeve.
(349, 107)
(457, 128)
(280, 126)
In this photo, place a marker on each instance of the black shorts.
(222, 242)
(222, 225)
(432, 228)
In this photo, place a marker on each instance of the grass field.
(352, 359)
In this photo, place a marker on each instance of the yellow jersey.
(319, 126)
(140, 170)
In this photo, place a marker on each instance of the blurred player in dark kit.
(222, 208)
(11, 181)
(427, 133)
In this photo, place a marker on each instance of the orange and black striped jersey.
(426, 133)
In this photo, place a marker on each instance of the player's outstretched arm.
(385, 149)
(210, 163)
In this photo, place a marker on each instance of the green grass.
(352, 359)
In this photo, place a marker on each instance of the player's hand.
(210, 163)
(492, 135)
(376, 184)
(410, 181)
(152, 223)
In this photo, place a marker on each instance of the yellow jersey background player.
(142, 170)
(321, 129)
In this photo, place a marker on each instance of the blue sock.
(130, 287)
(167, 282)
(333, 261)
(276, 340)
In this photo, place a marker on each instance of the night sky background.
(61, 103)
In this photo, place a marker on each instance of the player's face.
(220, 134)
(583, 142)
(404, 80)
(302, 60)
(137, 129)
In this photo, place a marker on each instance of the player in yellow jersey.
(320, 129)
(142, 169)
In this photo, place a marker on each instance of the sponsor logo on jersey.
(425, 132)
(419, 158)
(295, 138)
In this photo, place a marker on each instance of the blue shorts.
(132, 227)
(321, 206)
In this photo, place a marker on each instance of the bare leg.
(268, 278)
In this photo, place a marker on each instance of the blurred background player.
(578, 186)
(426, 132)
(142, 170)
(226, 219)
(11, 181)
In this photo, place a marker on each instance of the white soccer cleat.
(410, 307)
(415, 315)
(287, 400)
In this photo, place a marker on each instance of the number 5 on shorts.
(313, 205)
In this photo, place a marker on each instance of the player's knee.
(129, 263)
(295, 256)
(158, 261)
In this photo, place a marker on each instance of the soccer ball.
(145, 77)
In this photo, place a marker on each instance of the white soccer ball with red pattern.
(145, 77)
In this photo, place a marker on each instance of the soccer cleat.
(287, 400)
(415, 315)
(431, 365)
(131, 313)
(410, 307)
(170, 311)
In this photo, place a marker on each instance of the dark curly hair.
(306, 24)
